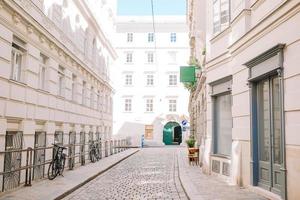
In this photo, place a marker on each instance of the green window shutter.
(187, 74)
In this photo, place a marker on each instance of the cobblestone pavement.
(149, 174)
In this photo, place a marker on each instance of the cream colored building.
(55, 58)
(149, 98)
(252, 77)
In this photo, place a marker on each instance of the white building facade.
(146, 78)
(54, 78)
(252, 106)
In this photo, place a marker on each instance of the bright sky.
(143, 7)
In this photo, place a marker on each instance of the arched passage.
(172, 133)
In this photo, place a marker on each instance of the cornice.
(89, 17)
(21, 17)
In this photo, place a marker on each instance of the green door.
(168, 133)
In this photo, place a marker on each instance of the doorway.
(268, 141)
(172, 134)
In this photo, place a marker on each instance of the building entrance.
(172, 134)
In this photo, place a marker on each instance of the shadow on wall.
(132, 130)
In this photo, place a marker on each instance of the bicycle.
(57, 165)
(94, 153)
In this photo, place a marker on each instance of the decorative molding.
(16, 18)
(29, 29)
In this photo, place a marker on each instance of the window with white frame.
(150, 57)
(221, 16)
(149, 105)
(149, 79)
(61, 81)
(172, 105)
(128, 79)
(127, 105)
(74, 87)
(129, 37)
(173, 37)
(172, 57)
(17, 59)
(42, 71)
(129, 57)
(150, 37)
(83, 93)
(92, 98)
(172, 79)
(98, 100)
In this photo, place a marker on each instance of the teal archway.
(172, 133)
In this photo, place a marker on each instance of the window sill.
(61, 97)
(43, 91)
(126, 63)
(221, 156)
(17, 82)
(220, 34)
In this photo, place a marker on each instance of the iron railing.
(26, 170)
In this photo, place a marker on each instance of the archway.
(172, 134)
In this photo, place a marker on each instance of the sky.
(143, 7)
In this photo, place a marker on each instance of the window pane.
(264, 120)
(223, 125)
(277, 120)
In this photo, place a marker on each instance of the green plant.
(190, 142)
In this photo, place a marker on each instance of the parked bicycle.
(94, 153)
(57, 165)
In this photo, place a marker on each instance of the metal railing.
(13, 176)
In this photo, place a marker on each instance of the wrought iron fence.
(14, 175)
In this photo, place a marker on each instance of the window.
(129, 37)
(92, 97)
(220, 15)
(73, 87)
(149, 105)
(42, 71)
(83, 92)
(85, 46)
(61, 81)
(150, 57)
(150, 37)
(172, 57)
(127, 106)
(150, 80)
(17, 59)
(173, 37)
(94, 51)
(128, 79)
(172, 105)
(172, 79)
(129, 57)
(98, 101)
(222, 124)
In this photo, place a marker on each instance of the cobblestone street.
(149, 174)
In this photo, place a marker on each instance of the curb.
(66, 193)
(188, 197)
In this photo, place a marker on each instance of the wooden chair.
(193, 155)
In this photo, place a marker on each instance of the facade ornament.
(29, 29)
(42, 39)
(1, 4)
(279, 72)
(51, 45)
(16, 18)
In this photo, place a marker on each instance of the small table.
(193, 155)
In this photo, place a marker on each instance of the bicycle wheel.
(62, 165)
(92, 156)
(52, 170)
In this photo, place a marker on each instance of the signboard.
(187, 74)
